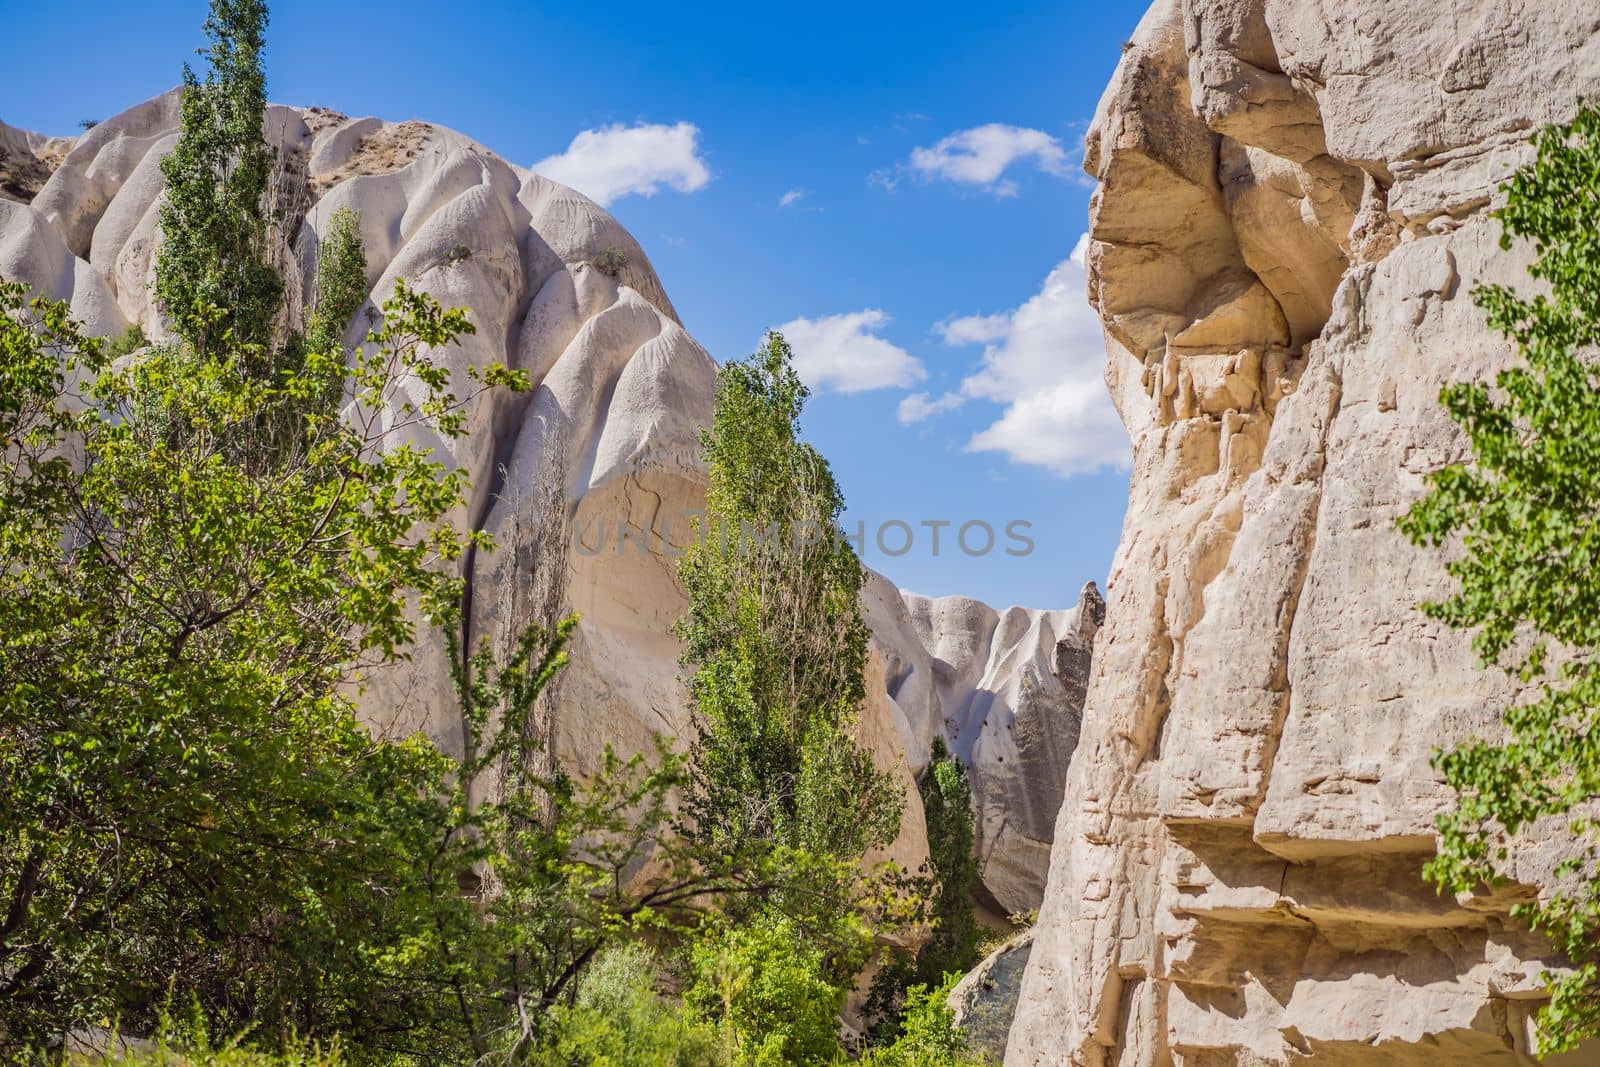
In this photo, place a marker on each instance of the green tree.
(775, 636)
(764, 985)
(188, 803)
(341, 282)
(179, 771)
(953, 863)
(1526, 513)
(214, 273)
(928, 1036)
(951, 876)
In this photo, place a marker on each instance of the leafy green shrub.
(609, 261)
(231, 1056)
(929, 1036)
(185, 611)
(762, 985)
(618, 1020)
(1524, 513)
(127, 342)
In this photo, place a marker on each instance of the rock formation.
(985, 1000)
(588, 482)
(1290, 217)
(1005, 690)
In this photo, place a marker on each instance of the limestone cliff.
(1289, 220)
(586, 483)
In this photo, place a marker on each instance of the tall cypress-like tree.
(775, 635)
(341, 283)
(213, 271)
(947, 806)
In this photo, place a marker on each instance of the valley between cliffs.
(586, 483)
(1214, 783)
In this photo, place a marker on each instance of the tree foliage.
(951, 876)
(178, 768)
(341, 282)
(766, 988)
(619, 1020)
(952, 855)
(187, 800)
(929, 1036)
(214, 213)
(774, 634)
(205, 546)
(1526, 512)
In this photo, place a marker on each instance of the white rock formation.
(1291, 215)
(1005, 690)
(587, 482)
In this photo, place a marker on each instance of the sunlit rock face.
(588, 482)
(1290, 218)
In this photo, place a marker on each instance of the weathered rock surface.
(27, 160)
(1291, 215)
(1005, 689)
(985, 1001)
(588, 482)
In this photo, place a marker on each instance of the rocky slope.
(1291, 215)
(588, 482)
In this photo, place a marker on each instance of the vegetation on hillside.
(1526, 512)
(207, 544)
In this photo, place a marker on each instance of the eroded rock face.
(985, 1001)
(1290, 217)
(587, 482)
(1005, 690)
(27, 160)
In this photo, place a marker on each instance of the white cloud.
(1046, 367)
(616, 161)
(982, 155)
(974, 329)
(918, 406)
(841, 352)
(792, 197)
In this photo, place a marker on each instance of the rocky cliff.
(1290, 217)
(587, 483)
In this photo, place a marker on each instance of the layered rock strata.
(1291, 215)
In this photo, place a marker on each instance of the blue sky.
(929, 157)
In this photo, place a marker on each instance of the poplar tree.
(774, 634)
(214, 275)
